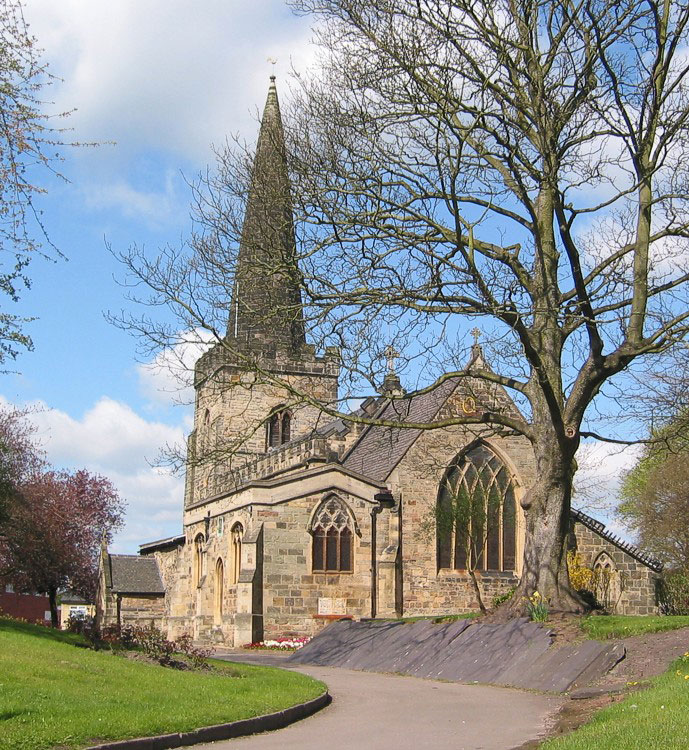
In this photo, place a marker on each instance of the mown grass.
(54, 694)
(648, 720)
(604, 627)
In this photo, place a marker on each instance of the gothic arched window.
(476, 514)
(278, 427)
(237, 531)
(219, 590)
(332, 538)
(199, 555)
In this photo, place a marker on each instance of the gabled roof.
(379, 449)
(132, 574)
(171, 541)
(630, 549)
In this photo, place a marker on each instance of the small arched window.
(476, 514)
(606, 582)
(219, 590)
(332, 538)
(236, 547)
(199, 561)
(278, 427)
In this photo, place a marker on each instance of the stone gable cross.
(391, 355)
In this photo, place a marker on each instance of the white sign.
(328, 606)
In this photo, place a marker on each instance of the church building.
(314, 519)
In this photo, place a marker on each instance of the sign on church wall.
(330, 606)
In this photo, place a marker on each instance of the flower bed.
(280, 644)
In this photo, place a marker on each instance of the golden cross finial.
(476, 333)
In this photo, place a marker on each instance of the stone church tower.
(240, 410)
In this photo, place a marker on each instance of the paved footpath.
(373, 711)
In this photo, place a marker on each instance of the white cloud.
(168, 74)
(169, 378)
(597, 482)
(156, 208)
(112, 440)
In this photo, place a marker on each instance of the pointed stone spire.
(266, 312)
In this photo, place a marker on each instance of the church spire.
(266, 310)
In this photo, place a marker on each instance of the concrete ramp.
(518, 653)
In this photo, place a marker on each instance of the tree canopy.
(52, 538)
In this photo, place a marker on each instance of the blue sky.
(156, 82)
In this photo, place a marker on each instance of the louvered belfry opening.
(476, 514)
(332, 538)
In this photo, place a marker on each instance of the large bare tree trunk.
(547, 514)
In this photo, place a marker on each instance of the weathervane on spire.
(273, 61)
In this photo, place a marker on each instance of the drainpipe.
(383, 500)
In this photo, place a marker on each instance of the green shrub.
(674, 593)
(502, 598)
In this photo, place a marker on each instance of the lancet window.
(476, 514)
(236, 550)
(332, 538)
(279, 427)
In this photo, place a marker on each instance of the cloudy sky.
(156, 83)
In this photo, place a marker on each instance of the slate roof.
(132, 574)
(630, 549)
(380, 449)
(71, 598)
(170, 541)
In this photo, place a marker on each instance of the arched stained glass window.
(476, 514)
(332, 538)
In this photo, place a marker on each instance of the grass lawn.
(648, 720)
(603, 627)
(54, 694)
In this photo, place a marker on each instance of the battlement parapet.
(251, 360)
(277, 461)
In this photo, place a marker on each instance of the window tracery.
(332, 538)
(476, 514)
(236, 547)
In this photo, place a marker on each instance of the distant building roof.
(132, 574)
(69, 597)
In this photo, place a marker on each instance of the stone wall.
(416, 479)
(291, 589)
(142, 610)
(632, 588)
(232, 406)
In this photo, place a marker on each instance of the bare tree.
(29, 148)
(523, 165)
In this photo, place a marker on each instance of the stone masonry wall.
(417, 478)
(633, 588)
(237, 405)
(291, 589)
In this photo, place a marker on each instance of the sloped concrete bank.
(517, 654)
